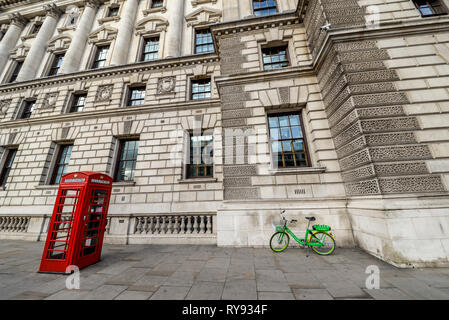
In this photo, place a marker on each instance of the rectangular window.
(101, 55)
(127, 159)
(113, 11)
(201, 157)
(10, 155)
(150, 49)
(201, 89)
(203, 41)
(28, 109)
(56, 64)
(78, 103)
(430, 7)
(275, 58)
(157, 3)
(62, 163)
(264, 7)
(136, 96)
(287, 140)
(15, 73)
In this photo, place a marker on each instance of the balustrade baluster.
(158, 225)
(189, 225)
(195, 224)
(209, 224)
(145, 225)
(202, 225)
(138, 225)
(183, 225)
(9, 224)
(176, 227)
(151, 228)
(170, 225)
(164, 225)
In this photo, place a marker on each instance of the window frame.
(266, 8)
(143, 46)
(7, 164)
(52, 67)
(197, 166)
(272, 47)
(97, 48)
(441, 5)
(160, 2)
(304, 141)
(118, 159)
(130, 92)
(113, 9)
(23, 109)
(59, 152)
(195, 46)
(73, 101)
(12, 77)
(192, 83)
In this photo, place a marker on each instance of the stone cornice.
(255, 23)
(387, 29)
(120, 111)
(259, 76)
(161, 64)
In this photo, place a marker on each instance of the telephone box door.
(61, 231)
(93, 224)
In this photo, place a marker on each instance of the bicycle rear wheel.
(279, 241)
(326, 239)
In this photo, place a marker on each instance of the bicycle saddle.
(311, 218)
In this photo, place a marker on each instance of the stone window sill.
(108, 19)
(197, 180)
(154, 10)
(123, 183)
(47, 186)
(297, 170)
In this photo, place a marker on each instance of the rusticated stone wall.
(376, 145)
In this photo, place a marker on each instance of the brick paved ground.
(208, 272)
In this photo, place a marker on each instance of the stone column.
(37, 51)
(125, 33)
(74, 54)
(230, 10)
(245, 8)
(175, 10)
(11, 37)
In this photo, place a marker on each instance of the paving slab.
(134, 295)
(312, 294)
(206, 291)
(170, 293)
(240, 290)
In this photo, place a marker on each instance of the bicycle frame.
(301, 241)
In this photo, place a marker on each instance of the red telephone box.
(77, 226)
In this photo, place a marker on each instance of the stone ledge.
(297, 170)
(197, 180)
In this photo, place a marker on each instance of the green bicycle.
(319, 238)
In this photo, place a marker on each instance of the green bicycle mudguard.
(321, 227)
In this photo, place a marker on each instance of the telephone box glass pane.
(62, 225)
(94, 221)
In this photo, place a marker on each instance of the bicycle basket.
(321, 227)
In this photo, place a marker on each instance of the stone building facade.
(353, 93)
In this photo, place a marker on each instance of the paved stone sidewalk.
(208, 272)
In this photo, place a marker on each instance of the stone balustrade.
(174, 224)
(14, 223)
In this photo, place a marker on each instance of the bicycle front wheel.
(326, 239)
(279, 241)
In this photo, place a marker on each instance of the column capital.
(52, 10)
(18, 20)
(94, 4)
